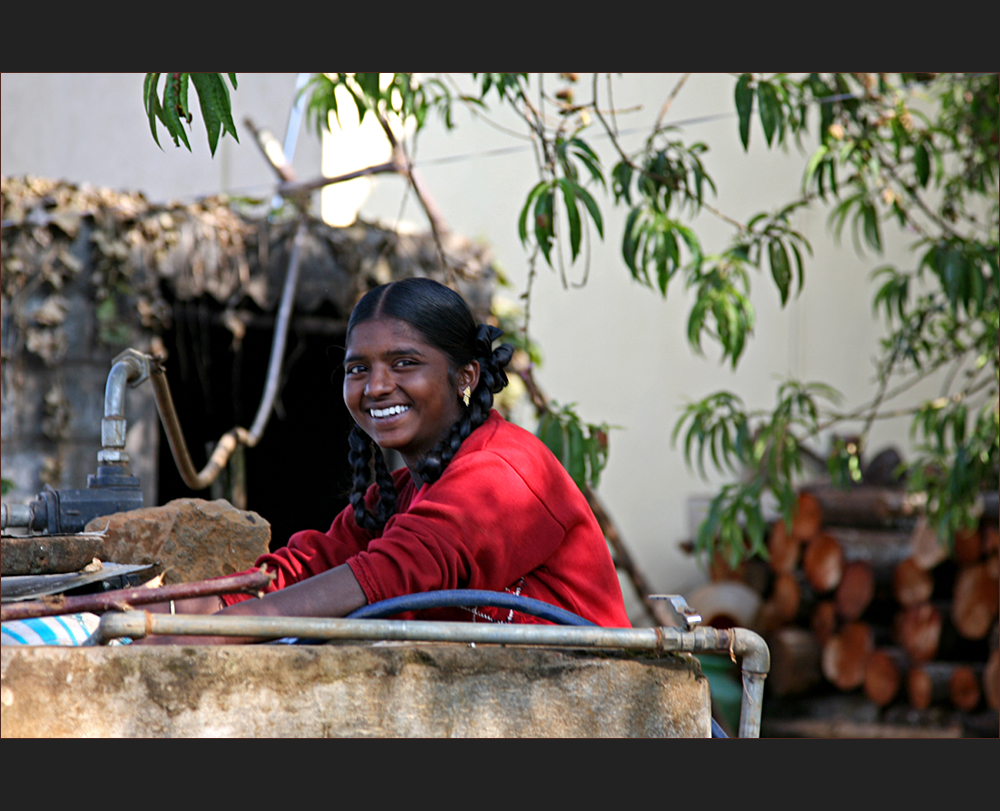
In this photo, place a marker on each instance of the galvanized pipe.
(755, 661)
(734, 641)
(15, 515)
(127, 369)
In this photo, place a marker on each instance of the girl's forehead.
(381, 334)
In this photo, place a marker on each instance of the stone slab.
(349, 690)
(189, 539)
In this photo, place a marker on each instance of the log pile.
(859, 600)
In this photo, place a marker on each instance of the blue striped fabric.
(68, 629)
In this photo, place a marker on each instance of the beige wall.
(92, 128)
(612, 346)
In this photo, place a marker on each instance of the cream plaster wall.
(612, 346)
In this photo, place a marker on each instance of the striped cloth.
(66, 629)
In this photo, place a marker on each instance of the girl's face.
(401, 390)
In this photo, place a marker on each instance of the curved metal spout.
(129, 369)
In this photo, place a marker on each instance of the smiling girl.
(479, 504)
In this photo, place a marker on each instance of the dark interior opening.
(297, 476)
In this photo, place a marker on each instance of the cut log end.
(883, 678)
(964, 688)
(846, 654)
(808, 517)
(783, 548)
(911, 583)
(975, 602)
(918, 631)
(856, 590)
(823, 563)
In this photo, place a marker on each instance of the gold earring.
(466, 395)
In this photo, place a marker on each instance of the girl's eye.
(354, 370)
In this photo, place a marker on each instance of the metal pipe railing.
(737, 642)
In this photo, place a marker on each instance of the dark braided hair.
(445, 321)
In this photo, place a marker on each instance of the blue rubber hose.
(456, 598)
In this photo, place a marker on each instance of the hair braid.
(360, 456)
(386, 490)
(492, 379)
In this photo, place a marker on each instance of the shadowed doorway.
(297, 476)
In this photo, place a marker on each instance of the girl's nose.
(379, 382)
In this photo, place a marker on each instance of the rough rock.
(191, 538)
(350, 690)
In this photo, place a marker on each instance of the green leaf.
(522, 223)
(209, 106)
(544, 221)
(173, 92)
(922, 163)
(694, 246)
(597, 449)
(872, 234)
(550, 431)
(630, 243)
(696, 322)
(770, 110)
(814, 171)
(780, 269)
(577, 454)
(621, 180)
(744, 106)
(589, 159)
(572, 214)
(152, 103)
(595, 212)
(668, 256)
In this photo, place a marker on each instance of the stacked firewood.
(859, 597)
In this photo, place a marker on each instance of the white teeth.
(378, 413)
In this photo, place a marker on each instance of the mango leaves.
(774, 234)
(958, 459)
(671, 176)
(173, 111)
(722, 308)
(397, 93)
(582, 448)
(780, 106)
(967, 272)
(652, 244)
(541, 202)
(764, 447)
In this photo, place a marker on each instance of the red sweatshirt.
(504, 516)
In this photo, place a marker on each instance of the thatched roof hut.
(87, 272)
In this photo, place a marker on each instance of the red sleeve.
(311, 552)
(482, 525)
